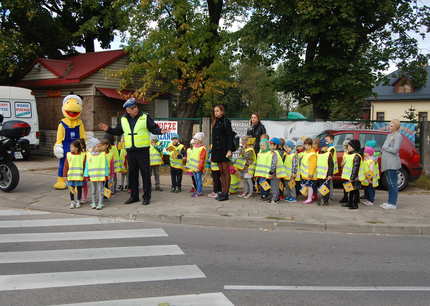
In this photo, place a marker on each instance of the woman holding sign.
(222, 148)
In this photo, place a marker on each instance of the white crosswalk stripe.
(206, 299)
(22, 212)
(103, 275)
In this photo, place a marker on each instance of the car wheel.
(402, 180)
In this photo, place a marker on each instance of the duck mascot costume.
(69, 129)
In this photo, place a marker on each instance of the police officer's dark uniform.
(136, 133)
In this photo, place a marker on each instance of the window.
(423, 116)
(5, 109)
(379, 138)
(339, 139)
(380, 116)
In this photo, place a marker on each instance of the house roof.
(119, 95)
(74, 69)
(386, 92)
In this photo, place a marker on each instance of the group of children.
(282, 170)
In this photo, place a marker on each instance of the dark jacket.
(150, 124)
(355, 171)
(256, 131)
(222, 140)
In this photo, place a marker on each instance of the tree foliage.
(333, 52)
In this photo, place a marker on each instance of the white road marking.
(206, 299)
(57, 222)
(328, 288)
(98, 277)
(89, 254)
(22, 212)
(88, 235)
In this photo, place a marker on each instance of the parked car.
(409, 156)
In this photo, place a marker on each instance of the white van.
(19, 104)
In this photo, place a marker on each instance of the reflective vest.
(304, 167)
(97, 167)
(234, 183)
(288, 163)
(335, 163)
(240, 163)
(139, 137)
(281, 172)
(349, 164)
(251, 167)
(214, 166)
(299, 165)
(322, 165)
(122, 161)
(116, 159)
(263, 164)
(76, 167)
(366, 175)
(154, 156)
(188, 162)
(176, 162)
(193, 159)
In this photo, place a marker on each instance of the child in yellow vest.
(345, 153)
(123, 166)
(85, 182)
(324, 173)
(74, 172)
(277, 169)
(262, 169)
(246, 165)
(197, 162)
(369, 176)
(300, 151)
(291, 163)
(177, 155)
(351, 172)
(330, 141)
(156, 160)
(308, 170)
(187, 169)
(112, 156)
(97, 170)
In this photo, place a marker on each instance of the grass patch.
(422, 182)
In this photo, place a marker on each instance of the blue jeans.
(369, 193)
(199, 182)
(392, 177)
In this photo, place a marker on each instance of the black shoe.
(173, 189)
(158, 188)
(131, 200)
(223, 197)
(178, 189)
(353, 207)
(343, 200)
(120, 188)
(146, 201)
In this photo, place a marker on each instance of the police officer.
(136, 127)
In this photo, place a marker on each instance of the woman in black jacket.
(256, 130)
(222, 148)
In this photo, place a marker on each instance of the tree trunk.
(319, 110)
(185, 109)
(89, 44)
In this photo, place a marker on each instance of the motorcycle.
(10, 133)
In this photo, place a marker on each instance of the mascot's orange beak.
(73, 114)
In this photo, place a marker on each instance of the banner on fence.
(165, 139)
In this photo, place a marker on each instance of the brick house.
(391, 101)
(85, 75)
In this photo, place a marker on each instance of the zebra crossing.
(63, 229)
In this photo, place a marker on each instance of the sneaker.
(77, 204)
(72, 205)
(192, 190)
(390, 206)
(291, 200)
(93, 205)
(274, 202)
(308, 201)
(99, 207)
(247, 196)
(178, 189)
(242, 195)
(212, 195)
(383, 205)
(173, 189)
(196, 195)
(366, 202)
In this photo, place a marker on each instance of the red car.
(409, 156)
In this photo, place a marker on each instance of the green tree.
(333, 52)
(181, 47)
(411, 114)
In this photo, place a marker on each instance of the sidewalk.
(411, 218)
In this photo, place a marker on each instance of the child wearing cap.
(325, 169)
(156, 160)
(369, 176)
(196, 163)
(277, 169)
(246, 165)
(291, 167)
(177, 154)
(351, 173)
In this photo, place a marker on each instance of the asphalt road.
(59, 259)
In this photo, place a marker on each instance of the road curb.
(257, 223)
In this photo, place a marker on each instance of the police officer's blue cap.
(129, 103)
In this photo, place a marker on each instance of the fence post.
(206, 128)
(425, 146)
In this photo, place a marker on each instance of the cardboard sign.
(348, 186)
(166, 139)
(292, 184)
(265, 185)
(304, 191)
(107, 193)
(324, 190)
(73, 189)
(281, 187)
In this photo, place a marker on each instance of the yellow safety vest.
(281, 172)
(97, 167)
(251, 167)
(234, 183)
(304, 167)
(154, 156)
(322, 165)
(299, 165)
(335, 163)
(116, 159)
(175, 162)
(263, 164)
(349, 164)
(365, 171)
(193, 159)
(139, 137)
(122, 158)
(214, 166)
(76, 167)
(288, 163)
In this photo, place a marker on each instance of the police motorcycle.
(10, 133)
